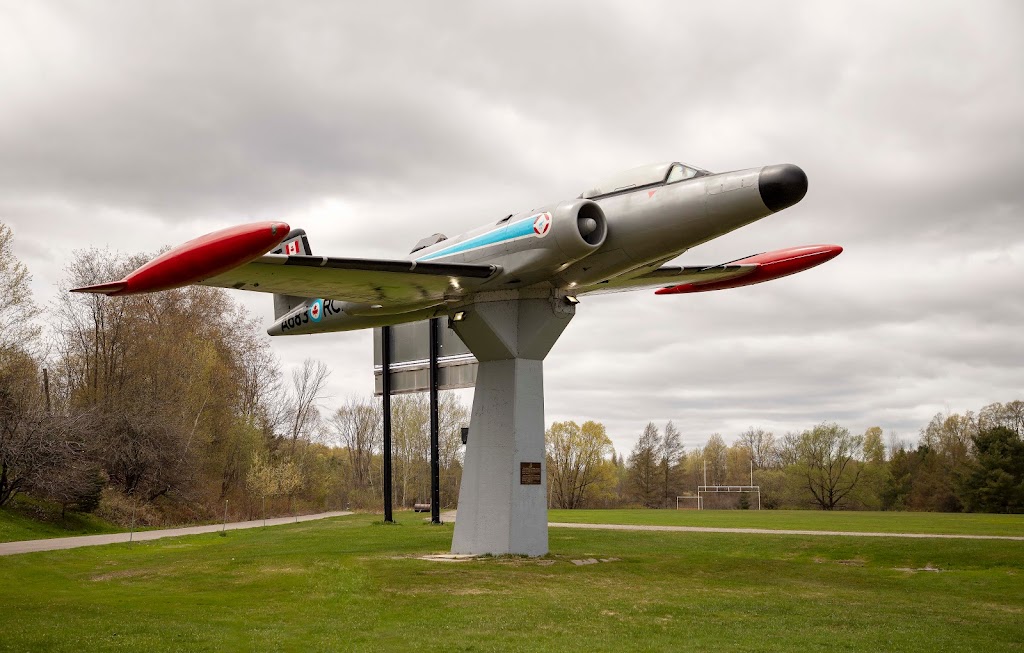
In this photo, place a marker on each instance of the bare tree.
(18, 328)
(452, 416)
(951, 436)
(761, 444)
(716, 458)
(896, 444)
(1009, 415)
(308, 390)
(410, 420)
(788, 450)
(357, 424)
(672, 451)
(259, 384)
(643, 467)
(71, 476)
(145, 450)
(21, 456)
(96, 336)
(41, 452)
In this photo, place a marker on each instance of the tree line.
(172, 406)
(169, 405)
(970, 462)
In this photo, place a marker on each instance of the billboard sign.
(410, 360)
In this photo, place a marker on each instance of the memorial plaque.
(529, 473)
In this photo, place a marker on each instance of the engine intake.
(562, 234)
(579, 228)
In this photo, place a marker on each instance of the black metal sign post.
(419, 357)
(386, 382)
(435, 468)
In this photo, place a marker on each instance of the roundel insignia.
(542, 225)
(316, 310)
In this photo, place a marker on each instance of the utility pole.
(385, 348)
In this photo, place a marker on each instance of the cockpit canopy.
(650, 175)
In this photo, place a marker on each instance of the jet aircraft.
(616, 236)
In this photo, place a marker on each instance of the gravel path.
(449, 517)
(53, 544)
(768, 531)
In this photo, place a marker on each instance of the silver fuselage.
(645, 227)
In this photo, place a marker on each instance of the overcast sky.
(144, 124)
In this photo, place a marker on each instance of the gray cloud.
(138, 125)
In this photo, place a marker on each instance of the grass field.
(27, 519)
(353, 584)
(806, 520)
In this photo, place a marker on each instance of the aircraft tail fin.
(295, 243)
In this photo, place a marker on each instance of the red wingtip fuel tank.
(198, 259)
(770, 265)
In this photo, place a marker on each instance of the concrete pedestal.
(501, 510)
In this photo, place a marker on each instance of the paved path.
(769, 531)
(53, 544)
(449, 517)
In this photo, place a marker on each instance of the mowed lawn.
(29, 520)
(806, 520)
(350, 583)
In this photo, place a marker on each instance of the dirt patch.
(592, 561)
(914, 570)
(999, 607)
(118, 575)
(433, 590)
(281, 570)
(448, 557)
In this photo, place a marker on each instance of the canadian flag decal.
(292, 247)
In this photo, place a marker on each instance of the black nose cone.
(782, 185)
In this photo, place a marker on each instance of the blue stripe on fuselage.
(512, 231)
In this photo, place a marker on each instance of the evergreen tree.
(643, 466)
(996, 482)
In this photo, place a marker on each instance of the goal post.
(689, 502)
(713, 490)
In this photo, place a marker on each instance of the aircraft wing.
(670, 276)
(742, 272)
(371, 281)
